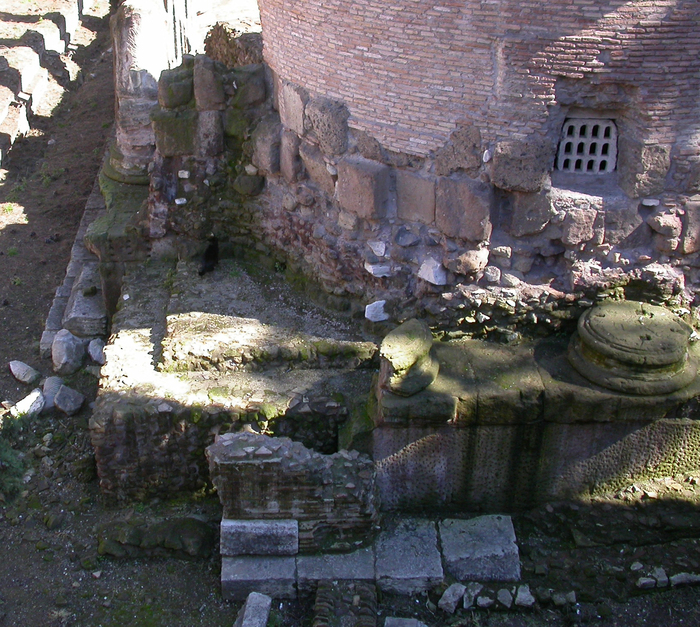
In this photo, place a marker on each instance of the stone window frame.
(588, 145)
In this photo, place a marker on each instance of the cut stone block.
(290, 163)
(292, 101)
(521, 166)
(259, 537)
(275, 576)
(480, 549)
(408, 560)
(329, 120)
(316, 168)
(255, 612)
(463, 208)
(266, 144)
(363, 187)
(415, 197)
(357, 566)
(86, 315)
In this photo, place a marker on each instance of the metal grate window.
(587, 146)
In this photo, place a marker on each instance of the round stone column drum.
(633, 347)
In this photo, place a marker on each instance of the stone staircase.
(25, 48)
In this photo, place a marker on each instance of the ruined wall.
(411, 72)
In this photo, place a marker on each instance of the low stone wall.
(332, 497)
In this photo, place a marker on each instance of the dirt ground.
(50, 571)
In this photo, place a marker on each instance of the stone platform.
(193, 356)
(506, 427)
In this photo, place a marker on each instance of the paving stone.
(403, 622)
(259, 537)
(481, 549)
(356, 566)
(275, 576)
(255, 612)
(408, 560)
(363, 187)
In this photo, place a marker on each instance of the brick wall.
(410, 70)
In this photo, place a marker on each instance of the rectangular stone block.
(408, 559)
(274, 576)
(480, 549)
(356, 566)
(463, 208)
(259, 537)
(415, 197)
(292, 101)
(290, 163)
(315, 166)
(255, 612)
(363, 187)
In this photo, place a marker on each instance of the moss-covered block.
(175, 131)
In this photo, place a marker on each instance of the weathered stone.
(415, 196)
(24, 373)
(175, 87)
(50, 388)
(290, 163)
(633, 347)
(463, 208)
(406, 365)
(96, 351)
(316, 168)
(577, 227)
(273, 576)
(374, 312)
(67, 353)
(684, 579)
(355, 566)
(86, 314)
(481, 549)
(523, 597)
(691, 231)
(247, 185)
(209, 141)
(251, 89)
(471, 592)
(406, 238)
(666, 223)
(432, 271)
(505, 598)
(329, 121)
(408, 560)
(31, 405)
(624, 226)
(68, 400)
(461, 152)
(645, 583)
(451, 598)
(363, 187)
(259, 537)
(470, 262)
(266, 144)
(642, 168)
(521, 166)
(208, 88)
(175, 131)
(492, 274)
(255, 611)
(292, 102)
(659, 574)
(531, 213)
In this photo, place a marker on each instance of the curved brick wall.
(410, 70)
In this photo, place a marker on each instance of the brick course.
(410, 71)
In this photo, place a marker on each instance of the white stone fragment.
(650, 202)
(30, 405)
(251, 170)
(377, 247)
(183, 174)
(451, 597)
(433, 272)
(180, 201)
(492, 274)
(378, 269)
(24, 373)
(374, 312)
(96, 350)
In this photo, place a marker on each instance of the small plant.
(16, 280)
(8, 207)
(12, 251)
